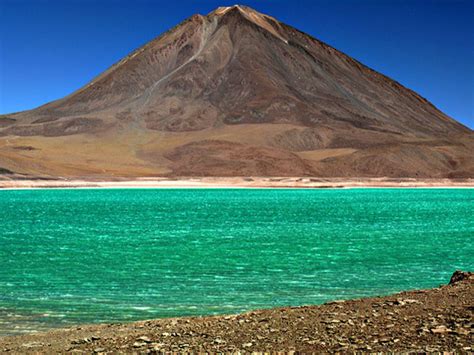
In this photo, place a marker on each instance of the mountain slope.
(237, 92)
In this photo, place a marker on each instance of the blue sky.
(49, 48)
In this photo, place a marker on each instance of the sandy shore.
(435, 320)
(235, 182)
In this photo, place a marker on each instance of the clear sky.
(49, 48)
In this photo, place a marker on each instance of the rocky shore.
(435, 320)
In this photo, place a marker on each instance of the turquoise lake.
(114, 255)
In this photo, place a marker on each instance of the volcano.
(237, 93)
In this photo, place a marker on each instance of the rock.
(461, 331)
(144, 339)
(409, 300)
(99, 350)
(460, 276)
(336, 302)
(138, 344)
(247, 345)
(94, 338)
(440, 330)
(157, 346)
(32, 344)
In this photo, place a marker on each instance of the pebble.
(462, 331)
(144, 339)
(440, 330)
(32, 344)
(409, 300)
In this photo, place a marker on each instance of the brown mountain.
(237, 93)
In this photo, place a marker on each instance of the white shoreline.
(236, 183)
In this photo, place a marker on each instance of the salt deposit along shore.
(233, 182)
(435, 320)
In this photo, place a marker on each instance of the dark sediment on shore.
(439, 319)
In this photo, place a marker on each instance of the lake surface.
(84, 256)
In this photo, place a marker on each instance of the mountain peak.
(264, 21)
(222, 10)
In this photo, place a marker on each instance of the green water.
(82, 256)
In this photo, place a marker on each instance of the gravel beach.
(439, 319)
